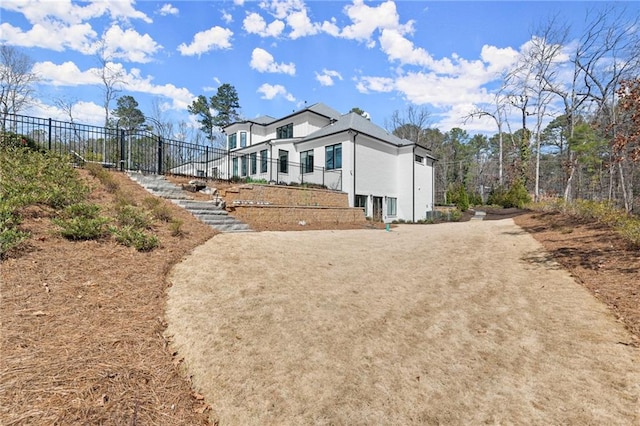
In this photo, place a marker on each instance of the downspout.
(270, 162)
(354, 170)
(433, 186)
(413, 185)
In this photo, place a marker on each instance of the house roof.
(317, 108)
(356, 122)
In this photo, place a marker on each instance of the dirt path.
(462, 323)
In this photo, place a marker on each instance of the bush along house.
(390, 178)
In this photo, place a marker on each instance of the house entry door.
(377, 209)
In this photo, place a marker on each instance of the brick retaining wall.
(293, 215)
(284, 196)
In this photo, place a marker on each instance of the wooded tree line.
(567, 116)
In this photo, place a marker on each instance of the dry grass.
(463, 323)
(81, 327)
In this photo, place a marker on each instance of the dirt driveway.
(463, 323)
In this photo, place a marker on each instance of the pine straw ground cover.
(82, 326)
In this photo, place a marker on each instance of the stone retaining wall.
(294, 215)
(284, 196)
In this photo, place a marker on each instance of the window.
(283, 164)
(243, 139)
(419, 159)
(392, 206)
(254, 163)
(284, 132)
(243, 166)
(361, 201)
(235, 166)
(214, 173)
(333, 156)
(233, 139)
(306, 161)
(264, 161)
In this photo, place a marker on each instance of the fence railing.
(144, 151)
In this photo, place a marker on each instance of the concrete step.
(206, 211)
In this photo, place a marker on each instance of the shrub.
(132, 237)
(514, 196)
(31, 177)
(81, 222)
(132, 216)
(15, 140)
(458, 195)
(10, 235)
(104, 176)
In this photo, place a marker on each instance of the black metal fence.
(146, 152)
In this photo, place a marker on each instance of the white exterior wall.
(405, 183)
(381, 169)
(376, 173)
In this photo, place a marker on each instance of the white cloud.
(60, 26)
(83, 112)
(282, 8)
(38, 11)
(168, 9)
(68, 74)
(296, 16)
(50, 35)
(327, 76)
(498, 60)
(129, 45)
(211, 39)
(227, 17)
(366, 20)
(301, 25)
(255, 24)
(271, 91)
(375, 84)
(262, 61)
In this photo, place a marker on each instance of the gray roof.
(354, 121)
(318, 108)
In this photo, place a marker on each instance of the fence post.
(159, 155)
(206, 162)
(49, 134)
(122, 148)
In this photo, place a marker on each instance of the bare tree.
(16, 81)
(410, 124)
(111, 77)
(159, 123)
(611, 54)
(541, 58)
(498, 113)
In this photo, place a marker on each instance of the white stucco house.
(391, 178)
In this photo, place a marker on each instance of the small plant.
(10, 235)
(175, 226)
(132, 216)
(81, 222)
(104, 176)
(136, 238)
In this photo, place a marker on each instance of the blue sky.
(445, 57)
